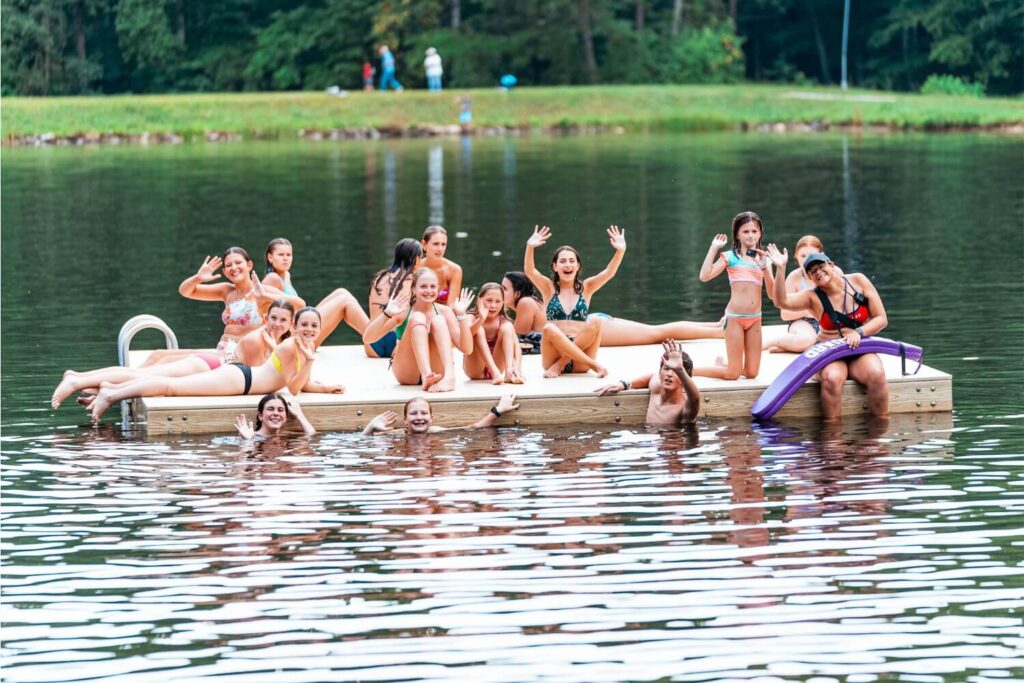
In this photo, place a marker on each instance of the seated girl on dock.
(246, 301)
(449, 273)
(427, 332)
(496, 354)
(288, 366)
(846, 306)
(337, 307)
(746, 265)
(571, 337)
(803, 326)
(272, 414)
(253, 349)
(522, 298)
(389, 284)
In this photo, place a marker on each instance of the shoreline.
(454, 131)
(572, 110)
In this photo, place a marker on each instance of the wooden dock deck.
(566, 400)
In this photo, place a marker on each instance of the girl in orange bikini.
(449, 273)
(496, 354)
(746, 265)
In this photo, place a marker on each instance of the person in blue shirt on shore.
(387, 70)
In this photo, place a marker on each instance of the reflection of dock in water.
(567, 400)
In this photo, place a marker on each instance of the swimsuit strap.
(276, 362)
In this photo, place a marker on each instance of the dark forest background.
(67, 47)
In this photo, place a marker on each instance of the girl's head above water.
(273, 409)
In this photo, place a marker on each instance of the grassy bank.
(646, 107)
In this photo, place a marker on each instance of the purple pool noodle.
(818, 356)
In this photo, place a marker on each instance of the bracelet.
(494, 409)
(859, 330)
(624, 383)
(462, 317)
(385, 314)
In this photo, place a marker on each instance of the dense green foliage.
(55, 47)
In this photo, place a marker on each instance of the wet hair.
(307, 309)
(687, 364)
(405, 411)
(490, 287)
(264, 401)
(407, 252)
(809, 241)
(577, 284)
(433, 230)
(521, 286)
(235, 250)
(284, 306)
(416, 278)
(276, 242)
(738, 222)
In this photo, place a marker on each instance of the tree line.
(70, 47)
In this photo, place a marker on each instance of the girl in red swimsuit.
(846, 306)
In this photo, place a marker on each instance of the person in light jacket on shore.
(432, 65)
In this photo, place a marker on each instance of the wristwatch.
(859, 330)
(494, 409)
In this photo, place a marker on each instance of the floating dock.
(567, 400)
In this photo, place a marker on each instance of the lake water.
(868, 551)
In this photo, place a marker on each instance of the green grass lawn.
(635, 107)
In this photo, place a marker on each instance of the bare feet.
(556, 369)
(497, 378)
(100, 405)
(601, 370)
(446, 384)
(430, 380)
(85, 400)
(63, 390)
(513, 377)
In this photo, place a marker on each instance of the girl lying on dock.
(746, 265)
(288, 366)
(253, 349)
(846, 306)
(496, 354)
(426, 331)
(571, 337)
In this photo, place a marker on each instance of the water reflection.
(596, 555)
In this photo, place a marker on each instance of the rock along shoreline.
(380, 133)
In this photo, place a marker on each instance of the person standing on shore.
(432, 65)
(368, 72)
(387, 70)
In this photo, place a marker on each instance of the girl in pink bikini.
(746, 265)
(496, 354)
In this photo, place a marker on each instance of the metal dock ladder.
(130, 408)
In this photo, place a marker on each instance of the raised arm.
(713, 266)
(296, 410)
(505, 404)
(385, 422)
(390, 318)
(617, 238)
(304, 351)
(543, 284)
(193, 287)
(672, 359)
(788, 301)
(268, 295)
(459, 322)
